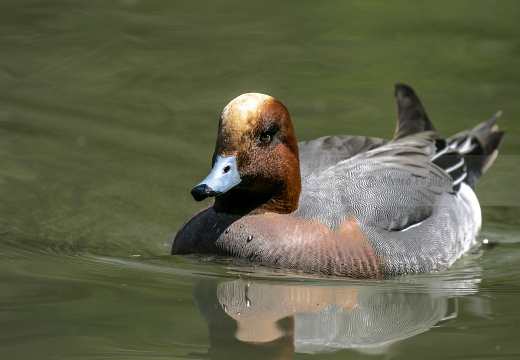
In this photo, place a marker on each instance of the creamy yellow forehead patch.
(237, 116)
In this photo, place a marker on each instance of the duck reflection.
(269, 319)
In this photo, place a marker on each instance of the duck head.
(255, 164)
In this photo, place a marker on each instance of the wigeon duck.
(351, 206)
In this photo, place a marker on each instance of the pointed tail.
(479, 147)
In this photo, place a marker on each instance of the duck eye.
(265, 137)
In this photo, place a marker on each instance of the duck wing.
(320, 154)
(391, 187)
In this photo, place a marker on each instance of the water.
(108, 116)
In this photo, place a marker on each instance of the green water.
(108, 117)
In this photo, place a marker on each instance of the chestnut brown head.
(255, 164)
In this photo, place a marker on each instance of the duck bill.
(222, 177)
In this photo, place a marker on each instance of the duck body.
(349, 206)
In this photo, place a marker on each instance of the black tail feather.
(466, 155)
(479, 147)
(412, 118)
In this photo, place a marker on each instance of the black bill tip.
(203, 191)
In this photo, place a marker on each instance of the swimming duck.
(353, 206)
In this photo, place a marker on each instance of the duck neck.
(276, 195)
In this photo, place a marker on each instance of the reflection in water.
(273, 320)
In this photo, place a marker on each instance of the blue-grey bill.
(222, 177)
